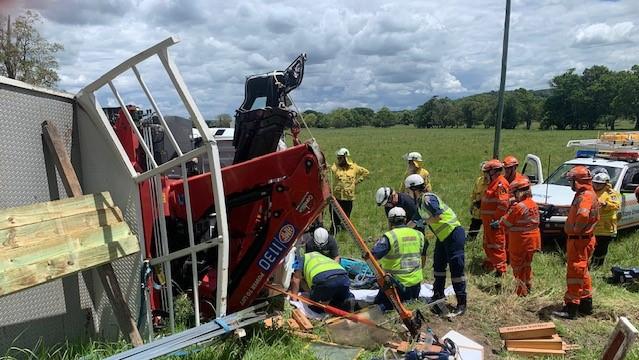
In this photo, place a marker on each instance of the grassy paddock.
(452, 156)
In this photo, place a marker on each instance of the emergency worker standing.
(414, 166)
(475, 203)
(389, 198)
(346, 175)
(522, 224)
(494, 204)
(449, 247)
(510, 169)
(580, 243)
(401, 253)
(606, 228)
(326, 279)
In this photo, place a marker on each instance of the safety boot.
(440, 308)
(585, 306)
(461, 307)
(569, 311)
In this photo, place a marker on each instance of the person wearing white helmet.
(414, 166)
(449, 247)
(345, 175)
(389, 198)
(606, 228)
(401, 252)
(322, 242)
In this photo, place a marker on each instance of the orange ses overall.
(522, 223)
(494, 204)
(580, 243)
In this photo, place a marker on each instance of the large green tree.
(24, 54)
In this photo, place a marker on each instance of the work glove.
(495, 224)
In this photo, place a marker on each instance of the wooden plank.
(105, 272)
(40, 212)
(62, 161)
(34, 235)
(528, 331)
(536, 352)
(292, 324)
(302, 320)
(64, 244)
(274, 322)
(555, 344)
(26, 276)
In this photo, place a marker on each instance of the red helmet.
(520, 184)
(510, 161)
(493, 164)
(579, 173)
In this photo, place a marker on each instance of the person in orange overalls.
(522, 224)
(494, 204)
(511, 174)
(510, 169)
(580, 244)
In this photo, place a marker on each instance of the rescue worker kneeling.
(449, 248)
(522, 224)
(401, 252)
(326, 279)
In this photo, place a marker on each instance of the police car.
(616, 152)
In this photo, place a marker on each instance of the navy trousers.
(450, 251)
(335, 290)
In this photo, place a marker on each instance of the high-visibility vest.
(403, 260)
(316, 263)
(447, 220)
(583, 213)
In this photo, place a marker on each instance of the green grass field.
(452, 156)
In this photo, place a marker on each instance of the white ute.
(617, 152)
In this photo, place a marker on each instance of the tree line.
(596, 97)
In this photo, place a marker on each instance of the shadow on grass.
(476, 266)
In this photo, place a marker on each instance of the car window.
(630, 180)
(558, 177)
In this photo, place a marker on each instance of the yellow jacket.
(423, 173)
(475, 196)
(345, 179)
(610, 201)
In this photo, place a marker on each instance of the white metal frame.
(86, 98)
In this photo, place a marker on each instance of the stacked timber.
(45, 241)
(539, 339)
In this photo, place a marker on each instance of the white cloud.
(361, 52)
(604, 34)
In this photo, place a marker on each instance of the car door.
(532, 168)
(628, 215)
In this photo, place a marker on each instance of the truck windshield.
(558, 177)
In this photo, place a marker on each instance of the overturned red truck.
(271, 196)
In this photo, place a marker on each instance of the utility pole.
(502, 83)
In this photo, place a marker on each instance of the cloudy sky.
(360, 53)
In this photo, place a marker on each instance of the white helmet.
(601, 178)
(396, 215)
(414, 180)
(342, 152)
(320, 236)
(383, 195)
(413, 156)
